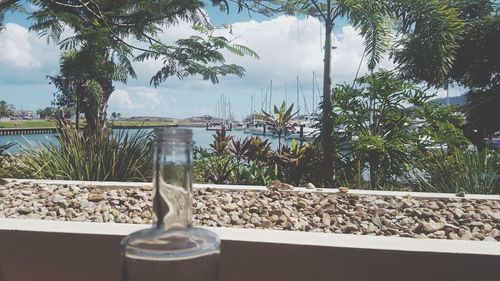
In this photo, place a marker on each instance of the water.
(201, 137)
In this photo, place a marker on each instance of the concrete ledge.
(419, 195)
(54, 250)
(270, 236)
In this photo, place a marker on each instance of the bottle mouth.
(173, 135)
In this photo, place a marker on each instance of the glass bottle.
(172, 250)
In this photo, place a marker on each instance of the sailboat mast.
(286, 95)
(298, 100)
(262, 99)
(251, 107)
(270, 96)
(314, 104)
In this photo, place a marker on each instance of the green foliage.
(109, 156)
(3, 150)
(299, 164)
(252, 161)
(102, 32)
(255, 174)
(477, 67)
(443, 125)
(116, 116)
(9, 6)
(280, 119)
(85, 82)
(381, 126)
(6, 109)
(482, 113)
(429, 32)
(196, 55)
(425, 45)
(477, 63)
(221, 142)
(48, 112)
(467, 171)
(9, 164)
(375, 115)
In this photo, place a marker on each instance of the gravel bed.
(455, 218)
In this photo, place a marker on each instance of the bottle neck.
(172, 200)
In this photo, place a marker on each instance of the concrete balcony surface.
(56, 250)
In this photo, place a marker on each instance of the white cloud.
(288, 47)
(149, 98)
(120, 99)
(16, 49)
(24, 57)
(139, 101)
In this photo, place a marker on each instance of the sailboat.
(224, 117)
(306, 128)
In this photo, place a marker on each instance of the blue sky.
(288, 47)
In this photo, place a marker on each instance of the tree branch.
(315, 3)
(4, 4)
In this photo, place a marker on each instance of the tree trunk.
(77, 112)
(327, 122)
(372, 159)
(279, 141)
(108, 89)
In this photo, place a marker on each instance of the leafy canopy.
(379, 116)
(118, 23)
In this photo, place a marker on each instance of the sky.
(288, 48)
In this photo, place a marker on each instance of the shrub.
(252, 161)
(4, 159)
(107, 156)
(467, 171)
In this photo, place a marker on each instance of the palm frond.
(372, 19)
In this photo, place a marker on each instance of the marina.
(201, 137)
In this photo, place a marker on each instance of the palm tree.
(280, 119)
(69, 83)
(85, 82)
(6, 109)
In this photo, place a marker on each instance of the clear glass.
(172, 249)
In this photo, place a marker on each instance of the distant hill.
(458, 100)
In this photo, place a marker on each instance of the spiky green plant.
(108, 156)
(467, 171)
(3, 157)
(280, 119)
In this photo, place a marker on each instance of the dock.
(218, 126)
(27, 131)
(53, 130)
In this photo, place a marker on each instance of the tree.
(116, 116)
(104, 29)
(69, 83)
(477, 64)
(280, 120)
(482, 114)
(48, 112)
(477, 67)
(85, 82)
(379, 118)
(430, 26)
(6, 109)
